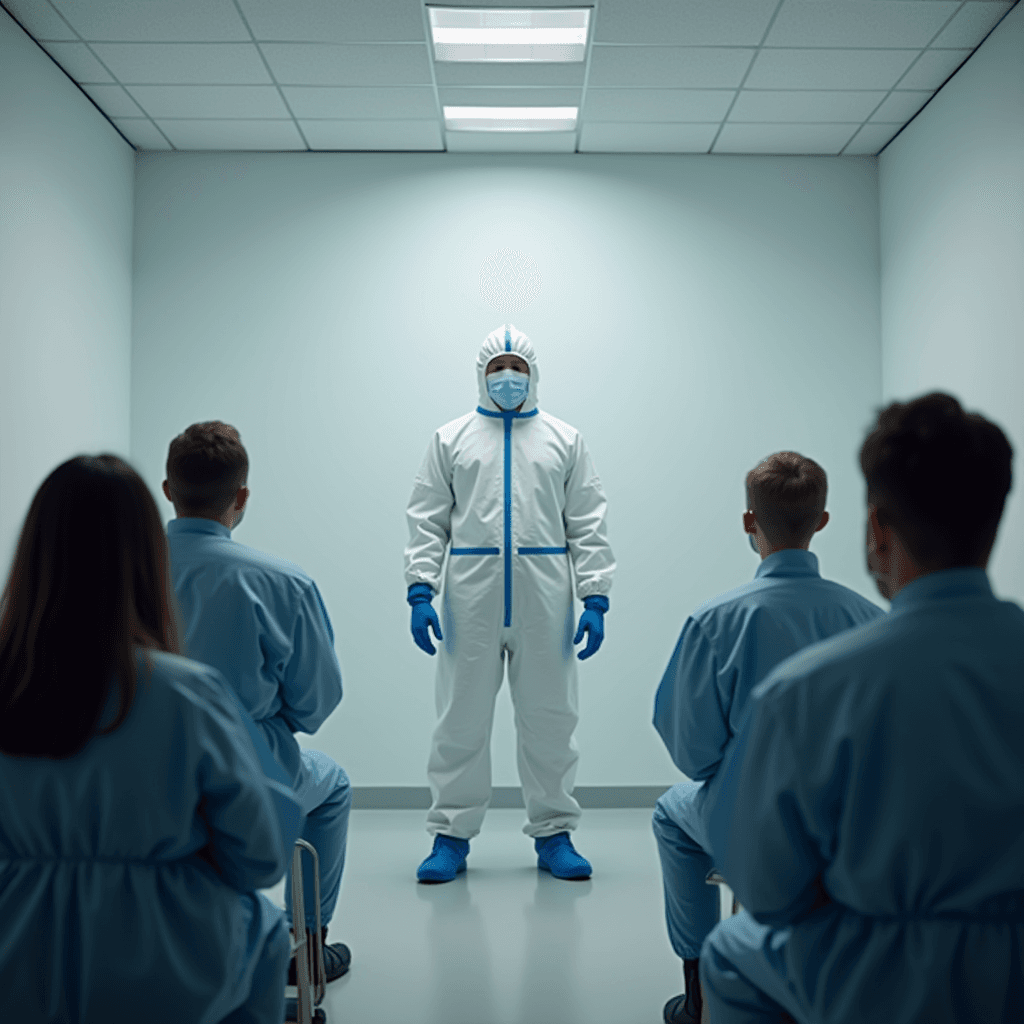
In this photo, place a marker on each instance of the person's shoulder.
(737, 599)
(174, 678)
(852, 599)
(450, 430)
(837, 658)
(252, 560)
(560, 427)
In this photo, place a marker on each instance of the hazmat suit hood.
(506, 339)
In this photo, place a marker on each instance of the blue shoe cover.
(446, 860)
(557, 855)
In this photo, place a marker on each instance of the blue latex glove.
(423, 617)
(591, 623)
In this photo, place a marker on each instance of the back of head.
(787, 493)
(88, 584)
(206, 465)
(939, 477)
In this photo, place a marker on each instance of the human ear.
(879, 537)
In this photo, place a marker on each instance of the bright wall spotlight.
(463, 34)
(510, 119)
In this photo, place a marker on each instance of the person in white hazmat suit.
(512, 496)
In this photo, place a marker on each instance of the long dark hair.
(89, 584)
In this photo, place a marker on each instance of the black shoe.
(676, 1012)
(291, 1012)
(687, 1008)
(337, 959)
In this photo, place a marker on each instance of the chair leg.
(303, 978)
(317, 951)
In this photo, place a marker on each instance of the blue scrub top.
(262, 622)
(879, 778)
(732, 642)
(128, 871)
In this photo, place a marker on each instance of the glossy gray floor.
(504, 943)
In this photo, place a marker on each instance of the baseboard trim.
(417, 798)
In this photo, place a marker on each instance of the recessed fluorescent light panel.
(510, 119)
(463, 34)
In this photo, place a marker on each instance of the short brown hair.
(939, 477)
(206, 465)
(787, 493)
(89, 586)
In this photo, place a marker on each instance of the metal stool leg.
(714, 878)
(309, 978)
(319, 972)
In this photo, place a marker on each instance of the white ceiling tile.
(78, 61)
(504, 4)
(658, 105)
(141, 133)
(229, 134)
(400, 102)
(668, 66)
(511, 142)
(932, 68)
(829, 69)
(805, 105)
(870, 139)
(510, 97)
(39, 19)
(817, 139)
(130, 21)
(693, 23)
(113, 101)
(373, 135)
(220, 101)
(332, 21)
(358, 64)
(901, 106)
(881, 23)
(624, 137)
(502, 74)
(184, 63)
(972, 23)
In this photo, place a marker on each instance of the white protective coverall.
(514, 498)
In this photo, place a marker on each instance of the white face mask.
(508, 388)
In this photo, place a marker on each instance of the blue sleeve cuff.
(420, 592)
(596, 603)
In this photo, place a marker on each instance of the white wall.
(696, 315)
(952, 237)
(66, 190)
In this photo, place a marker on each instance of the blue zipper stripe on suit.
(508, 502)
(507, 417)
(508, 520)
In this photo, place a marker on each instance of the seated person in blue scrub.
(726, 647)
(261, 621)
(136, 823)
(869, 813)
(512, 496)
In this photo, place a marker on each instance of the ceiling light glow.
(510, 119)
(463, 34)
